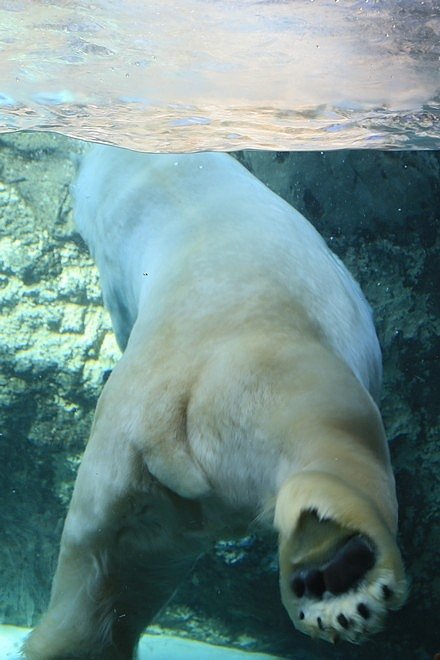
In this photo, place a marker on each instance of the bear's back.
(198, 235)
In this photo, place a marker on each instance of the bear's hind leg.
(126, 545)
(340, 568)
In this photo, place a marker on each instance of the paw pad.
(343, 572)
(346, 597)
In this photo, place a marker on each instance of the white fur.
(247, 387)
(205, 220)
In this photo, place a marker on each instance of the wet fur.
(248, 388)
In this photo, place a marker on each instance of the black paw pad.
(308, 582)
(315, 586)
(349, 565)
(298, 586)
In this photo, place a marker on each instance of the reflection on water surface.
(223, 74)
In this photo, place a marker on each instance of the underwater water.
(380, 212)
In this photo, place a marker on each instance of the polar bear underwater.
(247, 389)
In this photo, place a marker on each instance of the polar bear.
(247, 389)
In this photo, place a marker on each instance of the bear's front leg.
(126, 544)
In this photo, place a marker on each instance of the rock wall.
(55, 344)
(380, 213)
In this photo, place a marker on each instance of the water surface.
(224, 74)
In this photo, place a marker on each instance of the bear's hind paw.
(347, 597)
